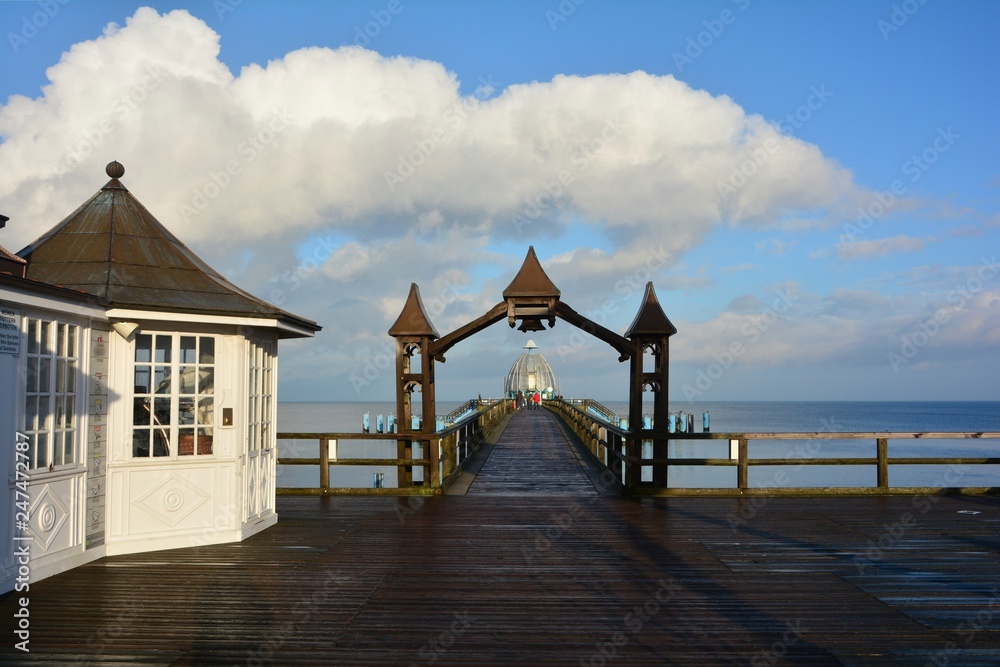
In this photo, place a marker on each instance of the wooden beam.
(443, 344)
(622, 345)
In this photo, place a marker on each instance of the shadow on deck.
(549, 575)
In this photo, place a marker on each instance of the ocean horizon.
(725, 417)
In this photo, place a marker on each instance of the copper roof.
(651, 319)
(113, 248)
(413, 319)
(531, 280)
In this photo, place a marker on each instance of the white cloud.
(848, 328)
(310, 138)
(394, 177)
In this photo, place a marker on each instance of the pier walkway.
(548, 571)
(535, 457)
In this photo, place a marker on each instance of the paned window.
(261, 395)
(52, 360)
(173, 404)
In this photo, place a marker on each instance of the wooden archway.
(532, 299)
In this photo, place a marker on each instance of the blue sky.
(727, 151)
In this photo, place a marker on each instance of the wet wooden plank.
(557, 578)
(532, 457)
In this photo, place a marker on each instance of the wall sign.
(10, 331)
(97, 451)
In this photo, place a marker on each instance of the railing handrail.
(469, 405)
(461, 439)
(609, 444)
(601, 409)
(788, 435)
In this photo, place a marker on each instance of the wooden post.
(414, 332)
(404, 410)
(651, 330)
(742, 465)
(882, 452)
(324, 463)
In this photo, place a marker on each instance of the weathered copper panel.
(113, 247)
(413, 319)
(651, 319)
(531, 280)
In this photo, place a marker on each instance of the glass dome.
(531, 373)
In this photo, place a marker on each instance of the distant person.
(519, 402)
(537, 400)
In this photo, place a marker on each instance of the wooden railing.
(455, 445)
(468, 406)
(609, 446)
(589, 404)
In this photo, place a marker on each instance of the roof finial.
(115, 169)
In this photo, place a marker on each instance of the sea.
(724, 417)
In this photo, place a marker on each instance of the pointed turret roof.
(651, 319)
(113, 248)
(531, 280)
(413, 320)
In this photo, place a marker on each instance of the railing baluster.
(882, 453)
(324, 463)
(743, 465)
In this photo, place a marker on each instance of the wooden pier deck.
(568, 577)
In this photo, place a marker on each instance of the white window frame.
(173, 396)
(261, 394)
(51, 392)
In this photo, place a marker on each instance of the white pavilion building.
(137, 393)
